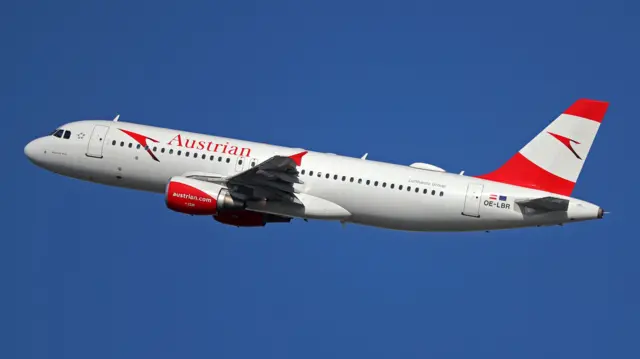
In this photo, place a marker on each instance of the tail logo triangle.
(567, 142)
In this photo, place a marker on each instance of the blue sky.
(95, 272)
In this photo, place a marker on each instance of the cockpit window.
(58, 133)
(67, 134)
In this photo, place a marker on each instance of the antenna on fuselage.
(116, 118)
(365, 156)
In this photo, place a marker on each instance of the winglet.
(116, 118)
(365, 156)
(297, 158)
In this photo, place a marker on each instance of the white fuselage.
(374, 193)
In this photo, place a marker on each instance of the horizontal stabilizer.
(546, 204)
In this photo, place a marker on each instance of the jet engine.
(191, 196)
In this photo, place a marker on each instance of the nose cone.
(34, 151)
(29, 150)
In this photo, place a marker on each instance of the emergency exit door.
(96, 141)
(472, 200)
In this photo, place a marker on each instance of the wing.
(272, 179)
(546, 204)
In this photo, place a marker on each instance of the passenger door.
(472, 200)
(96, 141)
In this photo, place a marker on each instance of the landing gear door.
(96, 141)
(472, 200)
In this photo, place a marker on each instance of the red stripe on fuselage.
(520, 171)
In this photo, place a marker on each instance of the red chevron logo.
(567, 142)
(142, 140)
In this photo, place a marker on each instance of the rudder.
(552, 160)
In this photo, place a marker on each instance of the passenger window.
(195, 155)
(424, 191)
(433, 192)
(220, 159)
(228, 160)
(302, 172)
(392, 185)
(130, 145)
(344, 178)
(441, 193)
(327, 176)
(368, 182)
(179, 152)
(351, 179)
(335, 177)
(375, 183)
(408, 188)
(239, 162)
(122, 144)
(319, 174)
(359, 180)
(171, 151)
(310, 173)
(186, 154)
(155, 149)
(138, 146)
(384, 184)
(253, 163)
(400, 187)
(211, 158)
(113, 143)
(162, 150)
(417, 189)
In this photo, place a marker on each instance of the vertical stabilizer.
(552, 160)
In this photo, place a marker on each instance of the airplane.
(250, 184)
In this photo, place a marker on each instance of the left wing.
(272, 179)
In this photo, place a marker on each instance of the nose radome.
(28, 150)
(32, 151)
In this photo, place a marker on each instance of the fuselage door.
(96, 141)
(472, 200)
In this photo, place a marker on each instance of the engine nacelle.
(190, 196)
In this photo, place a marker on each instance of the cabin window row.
(374, 183)
(310, 173)
(178, 152)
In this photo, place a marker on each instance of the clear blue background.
(96, 272)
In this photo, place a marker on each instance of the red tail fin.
(552, 161)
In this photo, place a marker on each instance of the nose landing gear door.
(96, 141)
(472, 200)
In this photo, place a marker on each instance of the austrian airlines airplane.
(246, 184)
